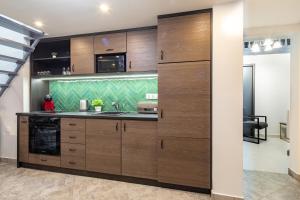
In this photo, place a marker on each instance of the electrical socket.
(151, 96)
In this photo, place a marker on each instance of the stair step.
(8, 72)
(15, 44)
(4, 85)
(11, 59)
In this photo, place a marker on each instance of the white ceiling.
(69, 17)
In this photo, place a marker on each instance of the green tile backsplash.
(67, 94)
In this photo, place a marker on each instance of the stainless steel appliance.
(44, 135)
(84, 105)
(110, 63)
(147, 107)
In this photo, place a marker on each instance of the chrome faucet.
(116, 105)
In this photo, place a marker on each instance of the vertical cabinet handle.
(117, 126)
(124, 127)
(162, 144)
(73, 68)
(129, 64)
(162, 54)
(161, 114)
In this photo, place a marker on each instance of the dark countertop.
(94, 115)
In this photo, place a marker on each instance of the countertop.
(94, 115)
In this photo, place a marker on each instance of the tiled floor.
(269, 156)
(27, 184)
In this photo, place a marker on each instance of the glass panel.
(7, 66)
(3, 78)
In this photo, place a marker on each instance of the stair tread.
(7, 72)
(15, 44)
(12, 59)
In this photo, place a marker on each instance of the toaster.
(147, 107)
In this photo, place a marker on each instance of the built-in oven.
(44, 135)
(110, 63)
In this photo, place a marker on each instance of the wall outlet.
(151, 96)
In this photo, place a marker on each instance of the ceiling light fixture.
(268, 42)
(268, 48)
(277, 44)
(104, 8)
(39, 24)
(255, 48)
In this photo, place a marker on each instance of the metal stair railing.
(31, 37)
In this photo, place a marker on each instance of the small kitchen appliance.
(48, 104)
(84, 105)
(147, 107)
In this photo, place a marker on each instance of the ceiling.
(69, 17)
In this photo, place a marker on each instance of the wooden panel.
(44, 160)
(139, 156)
(73, 137)
(82, 55)
(77, 150)
(184, 161)
(72, 124)
(141, 50)
(103, 146)
(73, 162)
(110, 43)
(184, 38)
(23, 139)
(184, 99)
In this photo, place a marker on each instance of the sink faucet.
(116, 105)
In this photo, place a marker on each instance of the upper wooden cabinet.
(141, 50)
(103, 146)
(184, 99)
(23, 139)
(139, 157)
(184, 38)
(110, 43)
(82, 55)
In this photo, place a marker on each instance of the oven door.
(44, 139)
(110, 63)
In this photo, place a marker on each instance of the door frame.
(253, 85)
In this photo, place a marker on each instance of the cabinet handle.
(124, 127)
(43, 160)
(162, 54)
(73, 68)
(72, 163)
(72, 150)
(162, 144)
(117, 126)
(72, 137)
(109, 49)
(161, 114)
(24, 122)
(129, 64)
(71, 124)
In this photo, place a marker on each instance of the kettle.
(84, 105)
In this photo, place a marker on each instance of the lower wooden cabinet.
(184, 161)
(103, 146)
(23, 139)
(44, 160)
(139, 149)
(73, 156)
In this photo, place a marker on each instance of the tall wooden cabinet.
(82, 55)
(184, 88)
(23, 139)
(141, 50)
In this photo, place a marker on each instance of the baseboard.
(224, 197)
(294, 175)
(9, 161)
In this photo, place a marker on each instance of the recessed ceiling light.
(104, 8)
(38, 24)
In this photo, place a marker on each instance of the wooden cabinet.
(82, 55)
(73, 156)
(184, 38)
(184, 161)
(184, 99)
(23, 139)
(139, 157)
(110, 43)
(103, 146)
(44, 160)
(141, 50)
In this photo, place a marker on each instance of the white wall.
(272, 87)
(228, 99)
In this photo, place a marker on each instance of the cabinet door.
(103, 146)
(141, 50)
(184, 161)
(82, 55)
(110, 43)
(23, 139)
(184, 38)
(139, 156)
(184, 99)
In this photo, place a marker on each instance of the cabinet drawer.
(44, 160)
(73, 137)
(72, 150)
(70, 124)
(73, 162)
(23, 125)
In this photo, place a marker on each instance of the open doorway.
(266, 75)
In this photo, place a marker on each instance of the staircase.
(17, 42)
